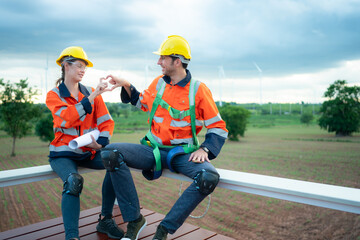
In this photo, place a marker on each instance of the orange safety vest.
(169, 131)
(72, 120)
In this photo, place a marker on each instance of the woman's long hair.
(62, 78)
(69, 60)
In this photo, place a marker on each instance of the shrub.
(306, 118)
(44, 128)
(236, 118)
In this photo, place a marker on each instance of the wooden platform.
(54, 230)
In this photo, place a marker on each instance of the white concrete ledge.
(317, 194)
(30, 174)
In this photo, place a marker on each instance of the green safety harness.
(149, 140)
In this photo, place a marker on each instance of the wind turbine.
(46, 78)
(148, 68)
(221, 76)
(260, 80)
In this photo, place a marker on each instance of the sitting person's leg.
(70, 202)
(106, 223)
(118, 157)
(205, 180)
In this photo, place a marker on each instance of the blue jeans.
(70, 204)
(141, 157)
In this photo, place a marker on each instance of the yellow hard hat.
(75, 52)
(175, 45)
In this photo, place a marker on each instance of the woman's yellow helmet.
(75, 52)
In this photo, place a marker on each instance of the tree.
(341, 113)
(44, 128)
(114, 109)
(236, 118)
(17, 109)
(306, 118)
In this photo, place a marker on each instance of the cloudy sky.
(245, 51)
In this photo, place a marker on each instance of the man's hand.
(117, 81)
(199, 156)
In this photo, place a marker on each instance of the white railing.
(317, 194)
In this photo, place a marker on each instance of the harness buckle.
(181, 115)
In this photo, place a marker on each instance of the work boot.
(108, 226)
(134, 228)
(161, 233)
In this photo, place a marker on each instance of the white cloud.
(307, 87)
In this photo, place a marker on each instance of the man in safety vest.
(179, 106)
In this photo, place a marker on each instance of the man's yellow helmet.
(75, 52)
(175, 45)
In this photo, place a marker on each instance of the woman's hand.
(100, 89)
(199, 156)
(94, 145)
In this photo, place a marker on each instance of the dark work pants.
(70, 204)
(141, 157)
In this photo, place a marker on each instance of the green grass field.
(277, 146)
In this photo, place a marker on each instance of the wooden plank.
(18, 232)
(220, 237)
(53, 229)
(197, 234)
(56, 225)
(88, 231)
(185, 228)
(150, 228)
(58, 230)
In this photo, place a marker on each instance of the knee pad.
(206, 181)
(112, 159)
(73, 184)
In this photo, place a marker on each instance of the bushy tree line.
(120, 109)
(281, 108)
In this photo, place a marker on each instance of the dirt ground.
(234, 214)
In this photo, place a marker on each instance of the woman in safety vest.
(77, 110)
(179, 107)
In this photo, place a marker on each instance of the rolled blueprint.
(84, 139)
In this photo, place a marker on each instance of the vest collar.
(183, 82)
(64, 92)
